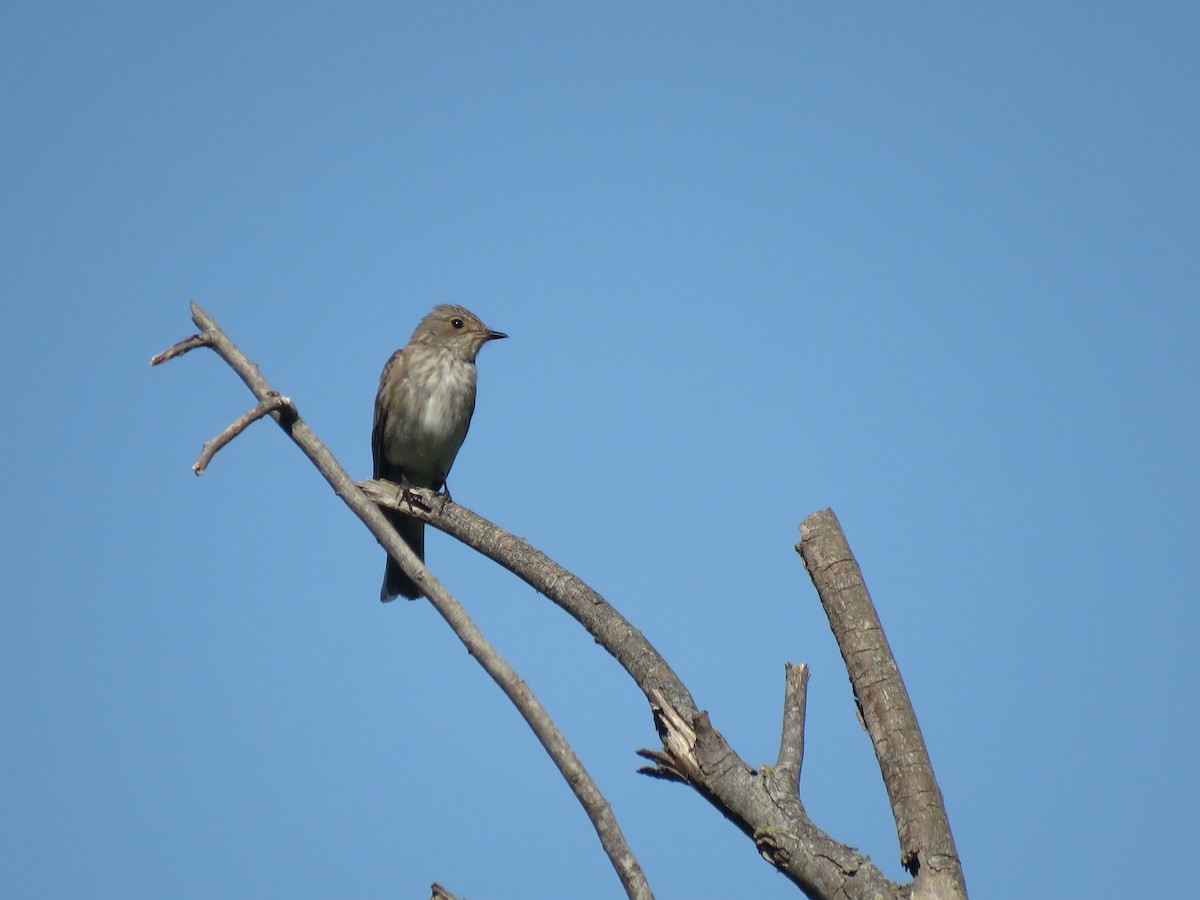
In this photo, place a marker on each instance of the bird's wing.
(380, 427)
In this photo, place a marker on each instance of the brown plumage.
(422, 413)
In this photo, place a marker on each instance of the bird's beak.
(495, 335)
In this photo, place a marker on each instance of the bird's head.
(456, 329)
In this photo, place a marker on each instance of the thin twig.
(594, 803)
(275, 403)
(190, 343)
(926, 844)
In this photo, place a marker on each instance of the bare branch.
(762, 803)
(926, 844)
(791, 740)
(594, 803)
(274, 403)
(190, 343)
(603, 622)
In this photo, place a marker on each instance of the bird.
(422, 412)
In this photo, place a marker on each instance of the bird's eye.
(457, 323)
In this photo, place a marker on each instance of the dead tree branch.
(763, 802)
(604, 623)
(791, 740)
(594, 803)
(926, 844)
(274, 403)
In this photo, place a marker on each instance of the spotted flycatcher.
(422, 413)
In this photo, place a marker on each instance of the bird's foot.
(413, 499)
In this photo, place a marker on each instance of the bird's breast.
(427, 427)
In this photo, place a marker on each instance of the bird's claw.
(413, 499)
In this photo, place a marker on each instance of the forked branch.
(271, 403)
(763, 802)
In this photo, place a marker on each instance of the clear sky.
(932, 265)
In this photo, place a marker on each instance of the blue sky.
(934, 266)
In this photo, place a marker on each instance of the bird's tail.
(395, 582)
